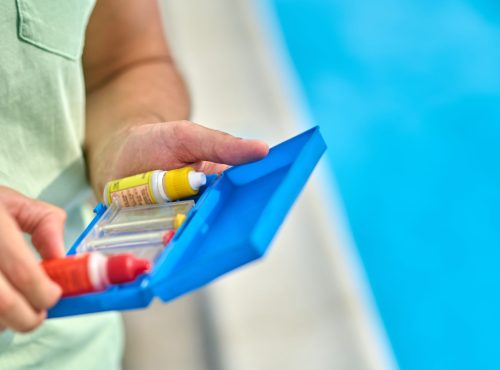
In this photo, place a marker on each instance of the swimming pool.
(408, 97)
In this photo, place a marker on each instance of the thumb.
(198, 143)
(43, 221)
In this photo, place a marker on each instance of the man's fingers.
(25, 290)
(169, 145)
(43, 221)
(47, 230)
(15, 312)
(210, 167)
(19, 267)
(197, 143)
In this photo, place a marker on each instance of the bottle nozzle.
(197, 179)
(123, 268)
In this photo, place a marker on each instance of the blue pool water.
(408, 96)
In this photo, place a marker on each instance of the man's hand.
(137, 102)
(25, 290)
(170, 145)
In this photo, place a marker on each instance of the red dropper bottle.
(93, 272)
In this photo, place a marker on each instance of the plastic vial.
(128, 240)
(154, 187)
(93, 272)
(171, 223)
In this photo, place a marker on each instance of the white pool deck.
(306, 304)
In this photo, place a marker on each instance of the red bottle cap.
(123, 268)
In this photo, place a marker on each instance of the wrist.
(106, 154)
(101, 158)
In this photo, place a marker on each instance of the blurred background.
(389, 257)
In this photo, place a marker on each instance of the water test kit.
(188, 243)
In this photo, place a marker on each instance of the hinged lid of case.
(237, 217)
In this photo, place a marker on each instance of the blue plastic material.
(232, 224)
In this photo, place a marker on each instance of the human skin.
(136, 120)
(25, 290)
(137, 104)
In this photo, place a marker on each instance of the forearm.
(147, 91)
(137, 104)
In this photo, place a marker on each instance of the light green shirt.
(42, 105)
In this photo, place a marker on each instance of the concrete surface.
(305, 305)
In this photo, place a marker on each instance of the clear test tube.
(129, 240)
(163, 223)
(147, 246)
(143, 218)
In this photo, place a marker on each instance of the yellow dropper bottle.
(154, 187)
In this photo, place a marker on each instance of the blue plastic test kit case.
(233, 223)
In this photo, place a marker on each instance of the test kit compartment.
(230, 224)
(142, 230)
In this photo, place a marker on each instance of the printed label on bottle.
(132, 191)
(71, 274)
(132, 197)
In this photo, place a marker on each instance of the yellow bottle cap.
(179, 220)
(176, 184)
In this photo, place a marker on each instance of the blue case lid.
(232, 224)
